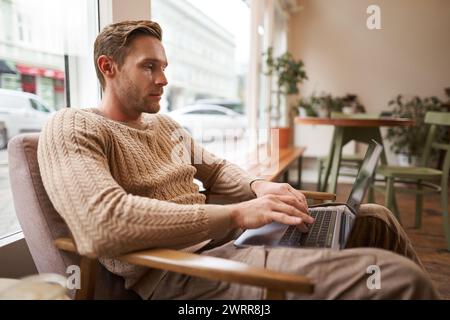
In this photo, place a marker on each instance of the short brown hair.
(114, 39)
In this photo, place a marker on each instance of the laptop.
(332, 223)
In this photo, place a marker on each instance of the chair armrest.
(209, 267)
(315, 195)
(214, 198)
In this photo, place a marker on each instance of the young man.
(121, 176)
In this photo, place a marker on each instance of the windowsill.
(11, 238)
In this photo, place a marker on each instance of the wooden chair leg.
(390, 201)
(319, 178)
(419, 205)
(371, 192)
(371, 195)
(445, 213)
(88, 269)
(275, 295)
(299, 172)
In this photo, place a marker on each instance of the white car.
(21, 112)
(233, 104)
(206, 122)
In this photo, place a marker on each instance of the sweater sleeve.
(217, 175)
(104, 219)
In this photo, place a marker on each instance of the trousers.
(377, 242)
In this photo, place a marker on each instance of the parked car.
(207, 122)
(3, 137)
(22, 112)
(233, 104)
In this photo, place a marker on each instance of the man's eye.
(149, 66)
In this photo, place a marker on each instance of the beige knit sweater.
(122, 188)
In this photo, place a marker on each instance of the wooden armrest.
(315, 195)
(211, 268)
(223, 199)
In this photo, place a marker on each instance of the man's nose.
(161, 79)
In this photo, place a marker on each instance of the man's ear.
(107, 66)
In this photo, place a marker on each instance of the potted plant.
(289, 74)
(408, 142)
(324, 104)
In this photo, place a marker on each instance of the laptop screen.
(365, 174)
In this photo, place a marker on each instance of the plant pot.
(323, 113)
(282, 136)
(405, 161)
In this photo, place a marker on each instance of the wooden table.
(346, 130)
(271, 168)
(276, 165)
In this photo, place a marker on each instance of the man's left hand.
(262, 188)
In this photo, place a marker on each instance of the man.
(121, 176)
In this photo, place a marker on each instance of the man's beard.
(132, 100)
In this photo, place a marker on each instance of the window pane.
(38, 39)
(207, 46)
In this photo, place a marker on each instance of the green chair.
(349, 162)
(424, 178)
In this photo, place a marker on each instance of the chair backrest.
(40, 222)
(436, 120)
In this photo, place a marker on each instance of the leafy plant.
(289, 74)
(324, 104)
(411, 140)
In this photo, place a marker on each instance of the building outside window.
(207, 46)
(41, 42)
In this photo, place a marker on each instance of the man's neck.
(112, 109)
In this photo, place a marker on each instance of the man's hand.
(269, 208)
(262, 188)
(276, 202)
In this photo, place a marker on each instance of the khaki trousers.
(377, 239)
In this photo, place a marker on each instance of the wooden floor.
(428, 241)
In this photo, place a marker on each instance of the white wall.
(409, 55)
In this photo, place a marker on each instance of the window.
(40, 41)
(207, 47)
(36, 105)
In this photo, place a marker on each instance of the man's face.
(140, 80)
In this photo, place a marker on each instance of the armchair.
(53, 250)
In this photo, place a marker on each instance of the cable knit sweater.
(122, 187)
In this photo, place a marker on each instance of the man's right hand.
(261, 211)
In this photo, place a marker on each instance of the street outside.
(8, 221)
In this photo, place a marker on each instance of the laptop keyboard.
(320, 233)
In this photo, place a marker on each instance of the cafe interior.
(308, 84)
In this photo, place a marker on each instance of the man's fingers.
(298, 194)
(303, 227)
(292, 210)
(284, 218)
(292, 201)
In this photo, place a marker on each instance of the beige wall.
(409, 55)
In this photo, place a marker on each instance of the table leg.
(337, 154)
(324, 182)
(299, 174)
(286, 176)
